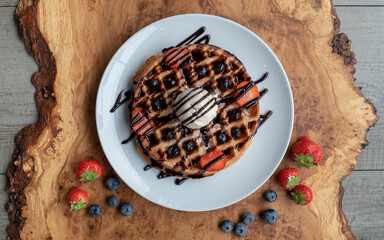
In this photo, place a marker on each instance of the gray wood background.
(361, 20)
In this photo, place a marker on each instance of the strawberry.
(211, 156)
(89, 170)
(301, 194)
(246, 91)
(77, 199)
(175, 56)
(142, 122)
(289, 178)
(306, 152)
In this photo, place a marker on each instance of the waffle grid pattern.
(176, 147)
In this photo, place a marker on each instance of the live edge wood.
(72, 42)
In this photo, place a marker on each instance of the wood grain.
(52, 146)
(369, 73)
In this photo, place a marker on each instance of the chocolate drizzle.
(195, 35)
(179, 181)
(255, 101)
(263, 118)
(120, 102)
(129, 139)
(163, 175)
(146, 168)
(262, 78)
(211, 163)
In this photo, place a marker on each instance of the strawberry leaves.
(89, 176)
(76, 206)
(304, 160)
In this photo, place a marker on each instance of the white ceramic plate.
(228, 186)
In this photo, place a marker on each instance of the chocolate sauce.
(146, 168)
(204, 39)
(227, 100)
(255, 101)
(155, 163)
(211, 163)
(163, 175)
(195, 35)
(195, 103)
(198, 114)
(174, 173)
(186, 98)
(180, 181)
(194, 162)
(243, 90)
(165, 119)
(129, 139)
(262, 78)
(137, 119)
(263, 118)
(120, 102)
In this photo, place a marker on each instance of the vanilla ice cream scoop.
(195, 107)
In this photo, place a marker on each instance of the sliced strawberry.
(141, 122)
(175, 56)
(212, 156)
(247, 92)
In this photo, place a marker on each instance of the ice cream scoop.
(195, 107)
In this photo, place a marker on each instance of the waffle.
(170, 146)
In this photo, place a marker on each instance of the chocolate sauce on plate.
(179, 181)
(120, 102)
(129, 139)
(146, 168)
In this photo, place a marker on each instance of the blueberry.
(126, 209)
(226, 226)
(218, 67)
(270, 196)
(221, 137)
(189, 146)
(95, 211)
(234, 115)
(158, 104)
(239, 78)
(185, 131)
(201, 71)
(197, 56)
(168, 134)
(113, 201)
(112, 183)
(241, 229)
(208, 87)
(236, 132)
(225, 83)
(170, 82)
(270, 216)
(247, 218)
(153, 85)
(173, 151)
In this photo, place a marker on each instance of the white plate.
(228, 186)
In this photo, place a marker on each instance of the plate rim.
(228, 21)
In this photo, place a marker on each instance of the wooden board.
(328, 107)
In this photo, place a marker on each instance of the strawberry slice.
(246, 93)
(175, 56)
(141, 122)
(211, 157)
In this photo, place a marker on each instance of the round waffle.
(172, 147)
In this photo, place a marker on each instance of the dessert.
(194, 110)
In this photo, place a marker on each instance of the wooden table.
(362, 20)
